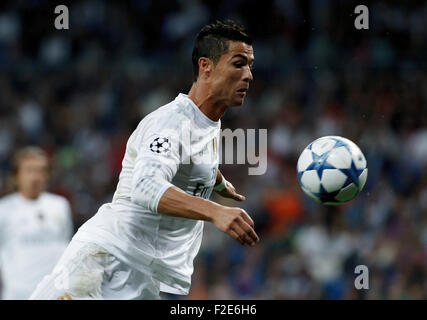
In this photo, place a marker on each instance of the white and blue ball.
(332, 170)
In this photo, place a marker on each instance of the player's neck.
(210, 107)
(29, 195)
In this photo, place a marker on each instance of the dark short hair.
(212, 41)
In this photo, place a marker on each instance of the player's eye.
(239, 64)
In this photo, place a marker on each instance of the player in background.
(35, 226)
(144, 241)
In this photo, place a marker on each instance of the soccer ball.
(332, 170)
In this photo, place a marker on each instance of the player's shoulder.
(8, 199)
(170, 114)
(6, 205)
(54, 198)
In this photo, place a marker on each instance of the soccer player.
(145, 240)
(35, 226)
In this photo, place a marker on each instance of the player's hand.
(230, 192)
(236, 223)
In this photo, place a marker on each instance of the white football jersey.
(176, 145)
(33, 236)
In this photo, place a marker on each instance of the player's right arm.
(233, 221)
(153, 172)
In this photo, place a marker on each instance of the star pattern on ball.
(340, 143)
(326, 197)
(352, 174)
(342, 180)
(320, 163)
(160, 145)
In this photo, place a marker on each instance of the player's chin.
(238, 101)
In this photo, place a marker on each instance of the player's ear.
(205, 66)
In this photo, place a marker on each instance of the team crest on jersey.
(160, 145)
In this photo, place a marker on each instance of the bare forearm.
(218, 177)
(233, 221)
(176, 202)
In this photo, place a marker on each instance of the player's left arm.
(226, 189)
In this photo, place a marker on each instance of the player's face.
(32, 176)
(232, 74)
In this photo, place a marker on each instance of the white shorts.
(87, 271)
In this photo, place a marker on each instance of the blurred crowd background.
(79, 93)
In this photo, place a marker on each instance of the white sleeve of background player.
(68, 227)
(158, 158)
(2, 233)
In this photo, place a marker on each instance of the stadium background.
(79, 93)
